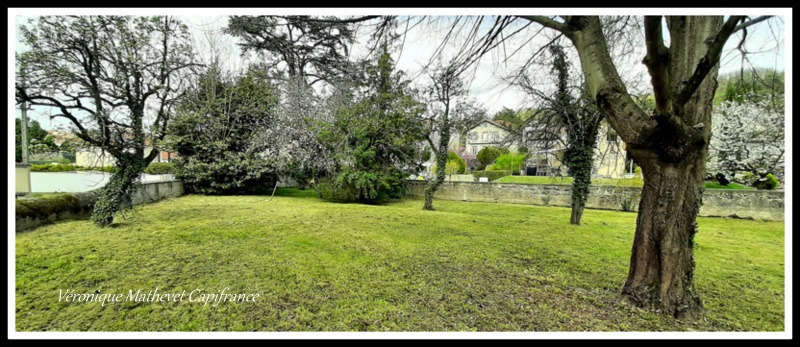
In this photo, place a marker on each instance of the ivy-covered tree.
(445, 88)
(373, 142)
(214, 133)
(669, 144)
(578, 119)
(115, 79)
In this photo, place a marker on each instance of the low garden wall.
(35, 210)
(756, 204)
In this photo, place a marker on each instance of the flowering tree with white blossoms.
(747, 137)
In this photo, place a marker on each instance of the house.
(92, 156)
(485, 134)
(546, 151)
(61, 136)
(489, 133)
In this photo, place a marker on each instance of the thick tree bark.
(662, 263)
(670, 145)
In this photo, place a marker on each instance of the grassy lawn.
(624, 182)
(326, 266)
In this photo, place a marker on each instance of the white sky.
(764, 44)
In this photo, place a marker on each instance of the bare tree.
(446, 86)
(575, 117)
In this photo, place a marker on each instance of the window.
(611, 136)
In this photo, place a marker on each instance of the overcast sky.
(487, 85)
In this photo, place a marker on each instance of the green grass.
(715, 185)
(326, 266)
(624, 182)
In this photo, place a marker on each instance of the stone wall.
(34, 211)
(757, 204)
(154, 191)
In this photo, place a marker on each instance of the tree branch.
(751, 22)
(548, 22)
(657, 60)
(709, 60)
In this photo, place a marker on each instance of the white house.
(546, 156)
(489, 133)
(95, 157)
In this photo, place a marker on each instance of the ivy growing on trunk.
(570, 122)
(115, 79)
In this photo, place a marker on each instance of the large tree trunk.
(670, 145)
(117, 192)
(579, 160)
(662, 265)
(580, 192)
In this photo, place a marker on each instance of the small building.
(489, 133)
(546, 151)
(95, 157)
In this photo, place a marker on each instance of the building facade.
(95, 157)
(546, 156)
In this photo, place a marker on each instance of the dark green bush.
(487, 156)
(160, 168)
(334, 192)
(215, 129)
(230, 173)
(491, 174)
(376, 139)
(357, 185)
(769, 182)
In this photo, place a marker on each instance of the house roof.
(492, 123)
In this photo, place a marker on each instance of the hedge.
(37, 209)
(491, 174)
(160, 168)
(51, 167)
(152, 169)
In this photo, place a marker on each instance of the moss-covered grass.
(327, 266)
(623, 182)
